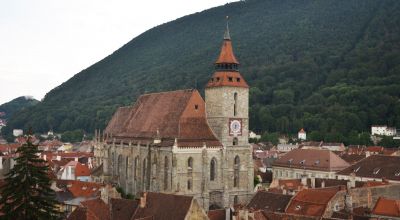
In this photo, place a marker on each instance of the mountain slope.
(16, 105)
(329, 66)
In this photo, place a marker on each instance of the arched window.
(190, 164)
(119, 165)
(135, 168)
(235, 103)
(213, 169)
(235, 141)
(189, 184)
(236, 167)
(166, 167)
(112, 164)
(144, 174)
(126, 166)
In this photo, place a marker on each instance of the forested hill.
(16, 105)
(328, 66)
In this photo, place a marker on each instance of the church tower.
(227, 98)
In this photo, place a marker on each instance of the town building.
(302, 135)
(383, 130)
(286, 147)
(170, 142)
(374, 168)
(309, 162)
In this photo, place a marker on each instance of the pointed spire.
(227, 35)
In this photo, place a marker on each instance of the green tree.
(26, 193)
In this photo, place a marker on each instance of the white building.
(287, 147)
(302, 135)
(383, 130)
(253, 135)
(18, 132)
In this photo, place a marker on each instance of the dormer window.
(356, 170)
(196, 107)
(217, 79)
(212, 79)
(316, 162)
(376, 171)
(303, 162)
(290, 160)
(397, 174)
(298, 207)
(230, 79)
(238, 79)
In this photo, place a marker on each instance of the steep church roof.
(166, 115)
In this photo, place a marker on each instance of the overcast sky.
(43, 43)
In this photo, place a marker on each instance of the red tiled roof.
(163, 206)
(376, 149)
(167, 115)
(9, 147)
(387, 207)
(312, 159)
(217, 214)
(123, 208)
(268, 201)
(375, 166)
(80, 188)
(97, 208)
(227, 79)
(311, 202)
(226, 55)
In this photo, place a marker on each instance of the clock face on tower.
(235, 126)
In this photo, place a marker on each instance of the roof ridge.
(162, 92)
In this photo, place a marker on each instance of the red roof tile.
(80, 188)
(217, 214)
(226, 55)
(167, 115)
(97, 208)
(233, 79)
(311, 202)
(387, 207)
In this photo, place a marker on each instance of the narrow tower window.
(235, 104)
(190, 164)
(166, 165)
(236, 168)
(213, 169)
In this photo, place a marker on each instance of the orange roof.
(387, 207)
(83, 189)
(227, 79)
(311, 202)
(302, 131)
(81, 170)
(226, 55)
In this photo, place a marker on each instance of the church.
(175, 142)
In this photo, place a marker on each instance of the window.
(135, 168)
(190, 164)
(166, 166)
(298, 207)
(235, 141)
(189, 184)
(230, 79)
(303, 162)
(236, 168)
(212, 79)
(196, 107)
(144, 174)
(376, 170)
(238, 79)
(235, 200)
(356, 170)
(235, 103)
(217, 79)
(119, 165)
(213, 169)
(126, 166)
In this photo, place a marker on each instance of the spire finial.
(227, 36)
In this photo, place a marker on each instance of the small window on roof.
(196, 107)
(397, 174)
(238, 79)
(217, 79)
(212, 79)
(316, 162)
(376, 170)
(230, 79)
(356, 170)
(290, 160)
(302, 162)
(298, 207)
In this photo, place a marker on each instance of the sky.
(43, 43)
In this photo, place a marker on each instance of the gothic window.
(144, 173)
(135, 168)
(236, 168)
(235, 103)
(166, 167)
(235, 141)
(126, 166)
(119, 165)
(190, 164)
(112, 163)
(213, 169)
(189, 184)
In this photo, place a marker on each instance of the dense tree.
(26, 194)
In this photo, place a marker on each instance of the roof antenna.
(227, 36)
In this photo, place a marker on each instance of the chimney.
(58, 157)
(304, 180)
(45, 157)
(143, 200)
(349, 202)
(227, 213)
(352, 181)
(367, 154)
